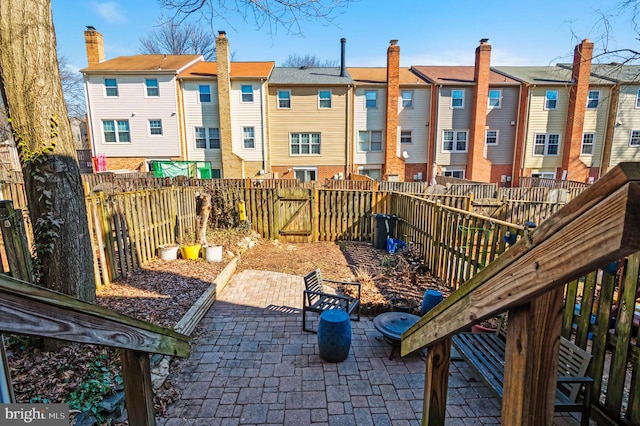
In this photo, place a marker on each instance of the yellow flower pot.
(191, 251)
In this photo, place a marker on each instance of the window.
(247, 93)
(249, 137)
(593, 99)
(587, 143)
(371, 99)
(454, 173)
(407, 98)
(216, 173)
(405, 136)
(457, 98)
(495, 98)
(635, 138)
(305, 143)
(111, 87)
(546, 144)
(155, 127)
(370, 140)
(304, 175)
(372, 173)
(551, 99)
(324, 98)
(491, 137)
(207, 138)
(205, 93)
(284, 99)
(152, 87)
(638, 99)
(454, 141)
(116, 131)
(543, 175)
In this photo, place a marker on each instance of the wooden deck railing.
(598, 227)
(31, 310)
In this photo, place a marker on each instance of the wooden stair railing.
(31, 310)
(599, 226)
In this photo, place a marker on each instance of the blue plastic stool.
(334, 335)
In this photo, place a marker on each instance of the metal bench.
(484, 353)
(316, 299)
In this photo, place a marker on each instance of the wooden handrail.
(28, 309)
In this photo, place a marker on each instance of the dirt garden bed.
(163, 291)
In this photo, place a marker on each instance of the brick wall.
(496, 174)
(578, 94)
(231, 163)
(410, 170)
(95, 46)
(478, 167)
(393, 165)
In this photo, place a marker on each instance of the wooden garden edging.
(35, 311)
(600, 226)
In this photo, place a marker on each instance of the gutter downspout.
(92, 134)
(349, 148)
(264, 125)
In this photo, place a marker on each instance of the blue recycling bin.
(430, 300)
(334, 335)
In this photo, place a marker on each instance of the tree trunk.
(203, 207)
(32, 93)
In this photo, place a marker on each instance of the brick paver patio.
(253, 364)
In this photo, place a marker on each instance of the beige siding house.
(308, 122)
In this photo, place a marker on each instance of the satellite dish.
(405, 154)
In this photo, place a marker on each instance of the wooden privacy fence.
(527, 181)
(516, 211)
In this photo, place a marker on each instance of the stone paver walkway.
(253, 364)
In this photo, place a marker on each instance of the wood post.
(15, 242)
(436, 382)
(138, 391)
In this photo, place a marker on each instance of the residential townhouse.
(132, 105)
(249, 119)
(308, 110)
(623, 127)
(390, 121)
(224, 114)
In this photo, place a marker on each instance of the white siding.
(368, 119)
(415, 119)
(132, 99)
(627, 119)
(199, 114)
(595, 121)
(245, 114)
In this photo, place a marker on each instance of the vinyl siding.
(546, 121)
(368, 119)
(595, 121)
(629, 118)
(304, 116)
(132, 99)
(500, 119)
(199, 114)
(452, 119)
(246, 114)
(415, 119)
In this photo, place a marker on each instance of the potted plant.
(168, 251)
(189, 247)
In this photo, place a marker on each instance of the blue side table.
(334, 335)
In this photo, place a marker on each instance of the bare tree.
(308, 61)
(179, 38)
(37, 115)
(287, 14)
(71, 88)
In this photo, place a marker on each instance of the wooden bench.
(316, 299)
(484, 353)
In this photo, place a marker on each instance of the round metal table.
(392, 324)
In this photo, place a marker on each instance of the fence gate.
(294, 207)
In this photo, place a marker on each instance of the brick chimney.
(578, 94)
(95, 46)
(478, 167)
(231, 163)
(393, 165)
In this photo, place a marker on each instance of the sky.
(521, 32)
